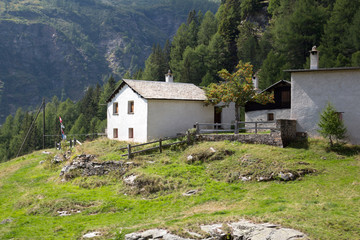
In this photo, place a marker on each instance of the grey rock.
(287, 234)
(92, 235)
(286, 176)
(242, 230)
(154, 233)
(190, 192)
(8, 220)
(58, 159)
(88, 167)
(213, 230)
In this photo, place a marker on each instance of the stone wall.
(284, 133)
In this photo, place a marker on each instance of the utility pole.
(43, 105)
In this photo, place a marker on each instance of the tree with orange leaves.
(237, 87)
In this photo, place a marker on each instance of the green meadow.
(324, 204)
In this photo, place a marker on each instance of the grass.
(325, 205)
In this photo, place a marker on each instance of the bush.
(331, 125)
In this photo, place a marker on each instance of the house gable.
(282, 98)
(132, 114)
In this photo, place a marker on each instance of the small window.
(131, 107)
(131, 133)
(115, 132)
(116, 108)
(340, 115)
(270, 117)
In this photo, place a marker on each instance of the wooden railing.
(232, 127)
(161, 145)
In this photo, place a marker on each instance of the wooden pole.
(129, 151)
(43, 105)
(236, 127)
(160, 145)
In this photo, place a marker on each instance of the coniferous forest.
(272, 35)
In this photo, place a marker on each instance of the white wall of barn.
(262, 116)
(123, 120)
(168, 117)
(312, 90)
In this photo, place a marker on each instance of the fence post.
(197, 128)
(70, 143)
(160, 145)
(129, 151)
(74, 142)
(236, 131)
(255, 127)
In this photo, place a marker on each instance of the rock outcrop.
(87, 165)
(242, 230)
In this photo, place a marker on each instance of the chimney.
(255, 81)
(314, 58)
(169, 77)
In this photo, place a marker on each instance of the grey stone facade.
(284, 133)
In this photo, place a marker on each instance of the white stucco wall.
(228, 114)
(168, 117)
(261, 116)
(312, 90)
(123, 121)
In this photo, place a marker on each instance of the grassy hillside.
(325, 204)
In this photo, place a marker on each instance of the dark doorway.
(217, 116)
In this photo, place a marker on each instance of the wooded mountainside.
(273, 35)
(61, 47)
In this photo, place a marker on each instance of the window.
(115, 108)
(285, 97)
(115, 133)
(340, 115)
(131, 133)
(131, 107)
(270, 117)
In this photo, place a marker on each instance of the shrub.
(331, 125)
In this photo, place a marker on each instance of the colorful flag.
(62, 127)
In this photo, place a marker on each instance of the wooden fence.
(161, 145)
(232, 127)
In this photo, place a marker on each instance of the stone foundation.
(284, 133)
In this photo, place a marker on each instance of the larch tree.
(237, 87)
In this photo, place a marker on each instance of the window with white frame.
(131, 133)
(115, 108)
(131, 107)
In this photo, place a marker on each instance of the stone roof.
(163, 90)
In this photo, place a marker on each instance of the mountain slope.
(59, 47)
(325, 205)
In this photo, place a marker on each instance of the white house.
(280, 109)
(141, 111)
(312, 89)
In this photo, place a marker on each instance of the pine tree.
(296, 32)
(229, 20)
(155, 65)
(340, 35)
(331, 125)
(207, 28)
(108, 89)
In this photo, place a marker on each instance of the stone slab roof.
(163, 90)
